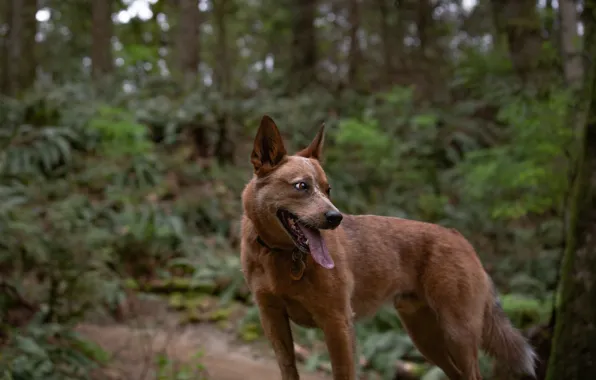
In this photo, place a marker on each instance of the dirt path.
(135, 346)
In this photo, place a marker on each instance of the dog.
(304, 261)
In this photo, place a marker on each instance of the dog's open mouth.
(307, 239)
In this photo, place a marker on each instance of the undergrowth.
(95, 191)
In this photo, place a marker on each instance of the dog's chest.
(298, 314)
(296, 294)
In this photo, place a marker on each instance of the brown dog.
(304, 261)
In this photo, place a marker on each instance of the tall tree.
(187, 41)
(4, 51)
(572, 61)
(574, 344)
(223, 78)
(21, 45)
(187, 60)
(354, 55)
(390, 41)
(519, 26)
(101, 50)
(304, 44)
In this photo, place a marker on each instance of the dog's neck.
(265, 226)
(272, 238)
(298, 259)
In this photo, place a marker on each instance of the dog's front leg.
(276, 326)
(341, 343)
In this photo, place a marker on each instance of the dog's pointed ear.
(268, 150)
(315, 148)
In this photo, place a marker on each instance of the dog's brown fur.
(431, 274)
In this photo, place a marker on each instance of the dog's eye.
(329, 191)
(301, 186)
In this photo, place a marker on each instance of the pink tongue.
(318, 248)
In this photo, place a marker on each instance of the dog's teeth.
(306, 241)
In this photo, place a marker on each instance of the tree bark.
(187, 63)
(5, 11)
(304, 47)
(518, 25)
(424, 24)
(354, 55)
(101, 50)
(573, 355)
(224, 150)
(570, 51)
(187, 41)
(21, 45)
(386, 39)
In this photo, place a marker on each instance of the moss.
(524, 311)
(251, 332)
(180, 284)
(199, 315)
(131, 283)
(221, 314)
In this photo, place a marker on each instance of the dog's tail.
(504, 342)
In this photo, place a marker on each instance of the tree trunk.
(424, 24)
(223, 73)
(386, 39)
(5, 22)
(101, 50)
(187, 63)
(21, 45)
(518, 25)
(573, 355)
(571, 55)
(187, 41)
(354, 55)
(304, 47)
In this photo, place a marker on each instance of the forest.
(126, 128)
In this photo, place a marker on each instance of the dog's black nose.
(333, 218)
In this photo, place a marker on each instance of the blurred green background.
(126, 128)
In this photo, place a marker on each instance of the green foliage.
(125, 206)
(120, 133)
(528, 174)
(33, 150)
(524, 311)
(51, 352)
(167, 370)
(104, 185)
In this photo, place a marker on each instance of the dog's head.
(291, 193)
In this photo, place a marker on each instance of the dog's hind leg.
(461, 326)
(422, 326)
(463, 345)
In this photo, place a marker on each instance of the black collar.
(261, 242)
(298, 259)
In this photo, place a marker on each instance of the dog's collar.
(298, 259)
(262, 242)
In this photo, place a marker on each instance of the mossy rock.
(180, 284)
(194, 316)
(251, 331)
(192, 301)
(131, 283)
(222, 314)
(524, 311)
(198, 316)
(176, 301)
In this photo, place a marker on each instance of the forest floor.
(135, 344)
